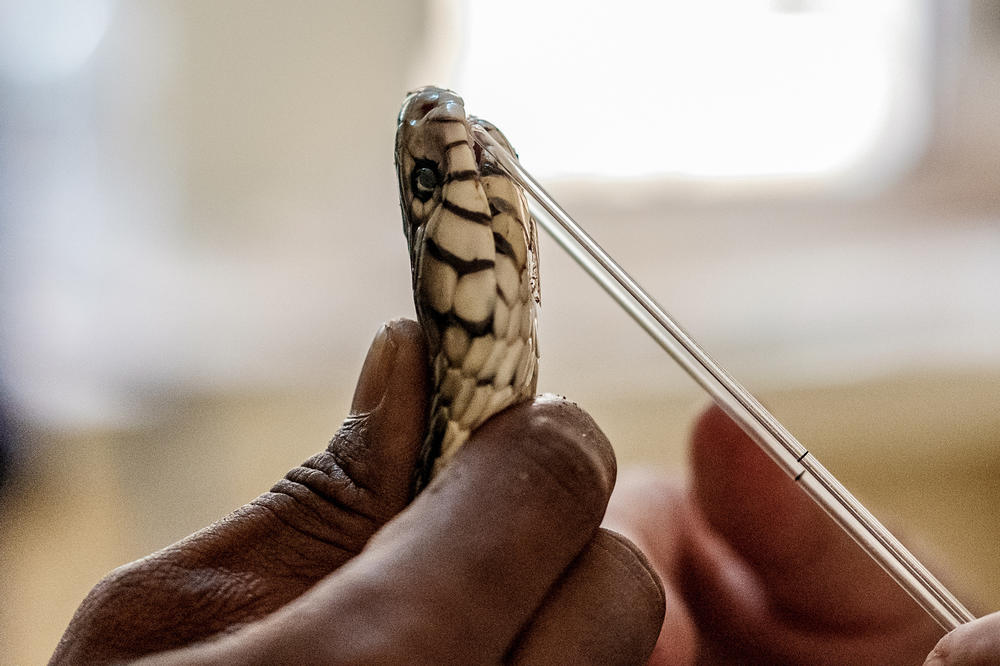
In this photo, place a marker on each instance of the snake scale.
(473, 258)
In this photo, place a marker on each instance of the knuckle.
(324, 500)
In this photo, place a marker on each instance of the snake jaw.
(473, 261)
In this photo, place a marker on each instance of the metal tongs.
(736, 401)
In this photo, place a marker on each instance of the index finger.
(461, 571)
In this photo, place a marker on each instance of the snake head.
(473, 262)
(434, 144)
(432, 121)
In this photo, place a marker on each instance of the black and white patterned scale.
(473, 255)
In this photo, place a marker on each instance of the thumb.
(273, 549)
(376, 448)
(364, 477)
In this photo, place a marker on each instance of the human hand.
(754, 571)
(977, 642)
(499, 559)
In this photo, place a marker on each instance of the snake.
(473, 249)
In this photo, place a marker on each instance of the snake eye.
(424, 180)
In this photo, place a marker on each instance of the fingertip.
(396, 359)
(607, 609)
(408, 379)
(719, 445)
(710, 423)
(729, 470)
(378, 444)
(646, 588)
(977, 642)
(409, 367)
(556, 417)
(554, 436)
(747, 498)
(398, 422)
(632, 558)
(408, 332)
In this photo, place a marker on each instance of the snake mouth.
(477, 151)
(486, 162)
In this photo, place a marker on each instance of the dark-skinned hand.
(756, 573)
(499, 559)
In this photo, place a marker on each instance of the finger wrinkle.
(347, 452)
(296, 507)
(301, 489)
(331, 489)
(352, 468)
(317, 531)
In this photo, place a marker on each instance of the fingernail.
(375, 373)
(938, 656)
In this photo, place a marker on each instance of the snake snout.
(432, 104)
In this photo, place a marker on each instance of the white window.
(721, 89)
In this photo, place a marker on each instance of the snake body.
(473, 258)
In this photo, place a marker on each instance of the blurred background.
(200, 234)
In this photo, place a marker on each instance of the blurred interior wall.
(200, 202)
(205, 202)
